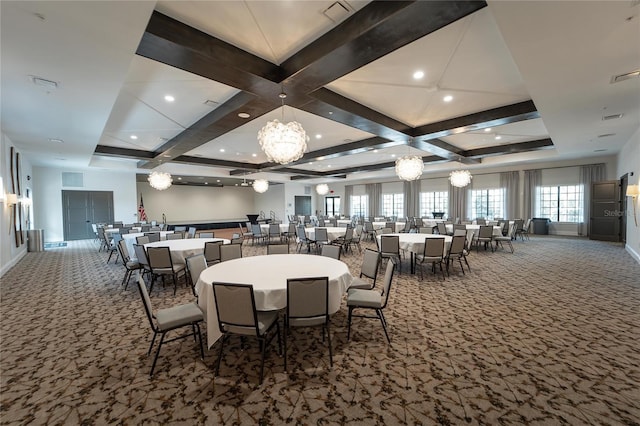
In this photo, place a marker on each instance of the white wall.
(9, 253)
(182, 203)
(629, 161)
(272, 201)
(47, 202)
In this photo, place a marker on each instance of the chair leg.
(264, 347)
(285, 344)
(329, 341)
(224, 337)
(349, 324)
(155, 359)
(153, 340)
(200, 338)
(384, 325)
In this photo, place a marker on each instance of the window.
(488, 203)
(561, 203)
(359, 205)
(393, 205)
(434, 202)
(332, 206)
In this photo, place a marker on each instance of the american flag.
(142, 216)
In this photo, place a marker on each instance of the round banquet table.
(414, 243)
(332, 231)
(181, 249)
(130, 239)
(268, 275)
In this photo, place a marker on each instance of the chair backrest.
(442, 228)
(368, 227)
(390, 244)
(212, 251)
(141, 254)
(195, 265)
(206, 235)
(237, 240)
(321, 235)
(481, 221)
(391, 225)
(146, 301)
(230, 251)
(457, 244)
(329, 250)
(154, 237)
(470, 234)
(142, 240)
(388, 276)
(274, 230)
(256, 230)
(159, 257)
(116, 238)
(505, 228)
(348, 235)
(180, 229)
(292, 228)
(124, 252)
(370, 264)
(145, 228)
(486, 231)
(308, 298)
(386, 231)
(462, 232)
(236, 307)
(526, 226)
(358, 231)
(192, 232)
(433, 247)
(301, 233)
(321, 222)
(426, 230)
(278, 249)
(407, 226)
(174, 236)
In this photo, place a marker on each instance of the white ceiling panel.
(521, 131)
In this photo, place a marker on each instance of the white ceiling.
(561, 55)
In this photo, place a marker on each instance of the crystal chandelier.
(260, 185)
(460, 178)
(283, 143)
(409, 167)
(322, 189)
(160, 180)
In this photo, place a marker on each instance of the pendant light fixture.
(160, 180)
(283, 143)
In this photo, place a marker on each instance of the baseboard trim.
(13, 262)
(632, 252)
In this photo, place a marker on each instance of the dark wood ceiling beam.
(113, 151)
(513, 148)
(374, 31)
(201, 161)
(490, 118)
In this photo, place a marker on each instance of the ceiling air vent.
(72, 179)
(606, 135)
(612, 117)
(623, 77)
(337, 12)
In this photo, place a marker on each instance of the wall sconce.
(633, 191)
(12, 199)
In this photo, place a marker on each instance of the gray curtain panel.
(510, 182)
(348, 192)
(411, 198)
(532, 180)
(457, 202)
(374, 191)
(589, 174)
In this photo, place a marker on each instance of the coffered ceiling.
(528, 81)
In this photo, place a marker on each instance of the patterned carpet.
(548, 335)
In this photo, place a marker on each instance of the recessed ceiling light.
(134, 137)
(310, 162)
(236, 184)
(330, 112)
(418, 75)
(166, 155)
(206, 183)
(393, 155)
(320, 158)
(56, 140)
(169, 98)
(328, 166)
(318, 136)
(448, 98)
(217, 180)
(375, 151)
(221, 149)
(237, 153)
(254, 155)
(498, 137)
(488, 129)
(179, 178)
(243, 115)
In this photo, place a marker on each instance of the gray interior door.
(80, 209)
(303, 205)
(604, 223)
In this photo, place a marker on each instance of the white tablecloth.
(117, 230)
(414, 243)
(333, 231)
(379, 225)
(181, 249)
(130, 240)
(268, 275)
(343, 222)
(497, 230)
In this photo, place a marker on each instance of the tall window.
(561, 203)
(393, 205)
(487, 203)
(359, 205)
(332, 206)
(434, 202)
